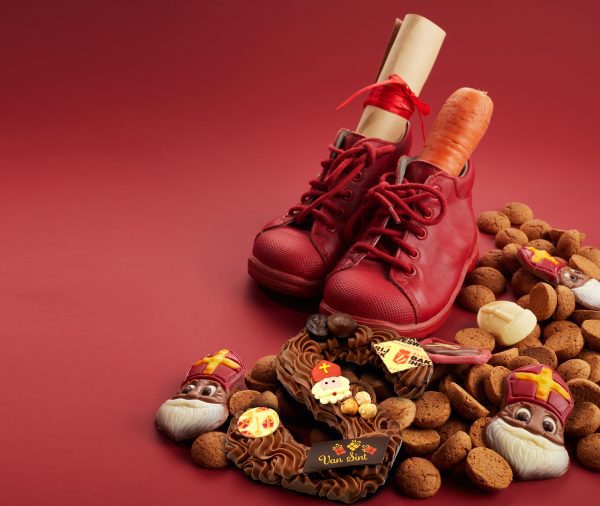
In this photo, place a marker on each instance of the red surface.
(142, 146)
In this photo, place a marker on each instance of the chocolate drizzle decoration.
(278, 459)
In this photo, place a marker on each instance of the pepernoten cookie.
(495, 259)
(399, 409)
(591, 333)
(477, 431)
(417, 478)
(452, 426)
(584, 420)
(566, 344)
(509, 236)
(420, 441)
(473, 297)
(543, 355)
(465, 404)
(517, 212)
(477, 338)
(491, 222)
(574, 368)
(502, 358)
(493, 384)
(535, 229)
(432, 410)
(452, 451)
(565, 303)
(488, 470)
(542, 301)
(488, 277)
(588, 452)
(208, 450)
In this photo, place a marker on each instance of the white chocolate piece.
(507, 321)
(588, 294)
(362, 398)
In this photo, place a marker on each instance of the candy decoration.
(400, 355)
(508, 322)
(529, 429)
(201, 404)
(555, 271)
(258, 422)
(330, 386)
(316, 326)
(445, 352)
(223, 366)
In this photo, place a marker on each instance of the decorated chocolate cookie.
(200, 404)
(358, 464)
(529, 429)
(556, 271)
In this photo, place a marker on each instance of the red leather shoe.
(294, 253)
(410, 262)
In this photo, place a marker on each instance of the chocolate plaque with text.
(346, 453)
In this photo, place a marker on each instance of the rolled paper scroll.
(411, 56)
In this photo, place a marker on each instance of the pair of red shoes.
(385, 238)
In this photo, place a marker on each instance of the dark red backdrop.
(143, 144)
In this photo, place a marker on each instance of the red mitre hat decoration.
(325, 369)
(224, 366)
(541, 263)
(539, 384)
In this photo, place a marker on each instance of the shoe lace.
(403, 203)
(341, 167)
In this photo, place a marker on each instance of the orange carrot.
(457, 130)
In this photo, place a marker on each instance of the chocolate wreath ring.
(278, 459)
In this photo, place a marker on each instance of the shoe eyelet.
(332, 229)
(412, 271)
(421, 234)
(415, 255)
(339, 214)
(348, 195)
(428, 212)
(437, 187)
(358, 177)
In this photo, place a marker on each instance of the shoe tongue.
(418, 171)
(346, 139)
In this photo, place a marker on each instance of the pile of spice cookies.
(444, 430)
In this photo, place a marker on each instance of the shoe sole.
(423, 329)
(282, 282)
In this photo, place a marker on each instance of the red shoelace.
(338, 170)
(403, 205)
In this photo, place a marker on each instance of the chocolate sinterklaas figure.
(201, 403)
(529, 429)
(556, 271)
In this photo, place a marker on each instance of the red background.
(143, 144)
